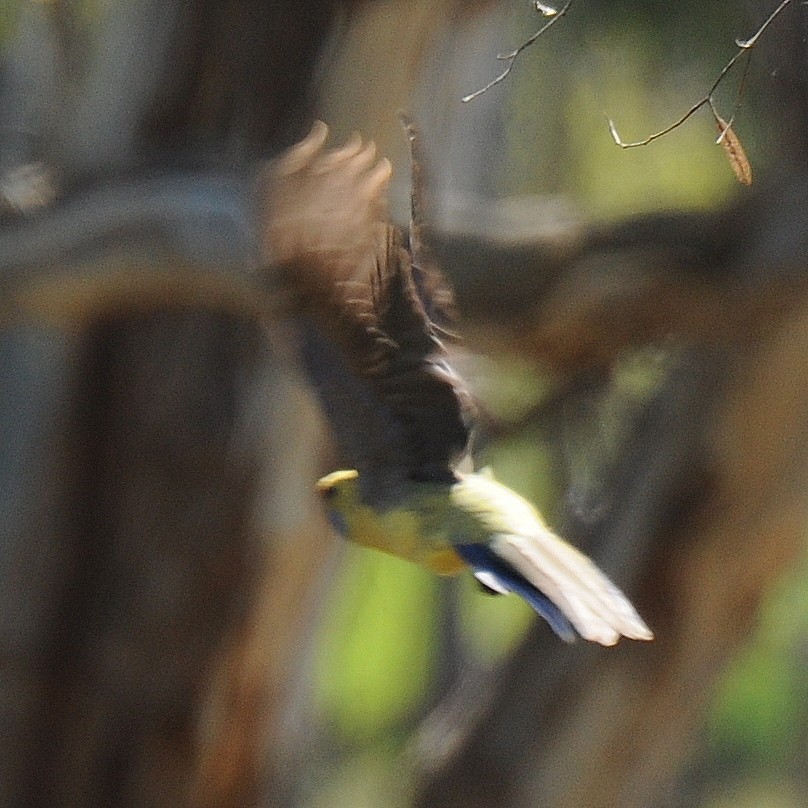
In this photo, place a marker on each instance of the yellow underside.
(445, 562)
(398, 532)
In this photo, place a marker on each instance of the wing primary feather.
(326, 227)
(434, 290)
(481, 559)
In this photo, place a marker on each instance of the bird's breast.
(445, 562)
(410, 533)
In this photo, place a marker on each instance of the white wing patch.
(491, 581)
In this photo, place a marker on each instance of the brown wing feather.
(326, 227)
(433, 287)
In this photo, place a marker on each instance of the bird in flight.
(374, 312)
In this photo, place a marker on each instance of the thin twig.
(752, 41)
(738, 98)
(510, 57)
(744, 49)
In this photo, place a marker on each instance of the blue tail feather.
(482, 559)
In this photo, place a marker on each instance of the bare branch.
(547, 11)
(738, 99)
(744, 49)
(656, 135)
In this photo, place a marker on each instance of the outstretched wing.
(397, 409)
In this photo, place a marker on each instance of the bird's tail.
(561, 583)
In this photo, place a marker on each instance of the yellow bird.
(372, 348)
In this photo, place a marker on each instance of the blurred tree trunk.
(160, 548)
(158, 545)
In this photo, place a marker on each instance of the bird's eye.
(328, 492)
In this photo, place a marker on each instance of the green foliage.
(373, 660)
(759, 794)
(761, 706)
(369, 779)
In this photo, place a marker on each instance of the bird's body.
(401, 415)
(478, 523)
(430, 519)
(418, 528)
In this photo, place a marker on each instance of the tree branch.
(744, 50)
(511, 57)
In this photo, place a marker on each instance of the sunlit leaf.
(373, 656)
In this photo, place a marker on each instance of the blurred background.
(179, 627)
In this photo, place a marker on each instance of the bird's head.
(340, 493)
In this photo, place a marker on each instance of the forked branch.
(745, 47)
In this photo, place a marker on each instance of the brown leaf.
(732, 147)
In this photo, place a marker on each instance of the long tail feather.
(597, 609)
